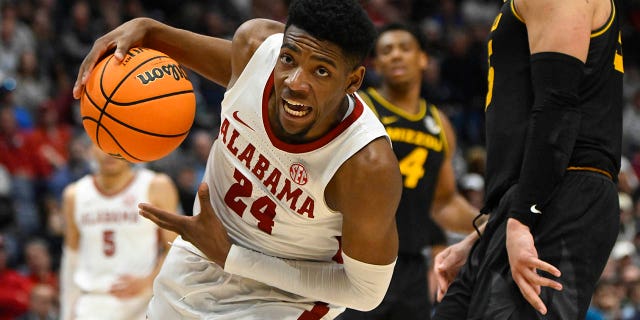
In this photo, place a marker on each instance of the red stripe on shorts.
(317, 312)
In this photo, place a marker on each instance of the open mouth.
(295, 109)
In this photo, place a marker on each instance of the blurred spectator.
(606, 302)
(77, 166)
(627, 178)
(42, 304)
(631, 125)
(45, 38)
(19, 156)
(631, 310)
(15, 38)
(32, 84)
(6, 203)
(627, 218)
(476, 158)
(77, 36)
(51, 138)
(38, 268)
(14, 289)
(472, 188)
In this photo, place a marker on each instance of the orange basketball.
(139, 109)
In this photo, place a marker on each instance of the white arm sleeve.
(353, 284)
(68, 288)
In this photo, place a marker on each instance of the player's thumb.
(204, 199)
(121, 51)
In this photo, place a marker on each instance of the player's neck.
(113, 183)
(405, 97)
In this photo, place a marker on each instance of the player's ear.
(354, 81)
(424, 60)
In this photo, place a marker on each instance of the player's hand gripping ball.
(139, 109)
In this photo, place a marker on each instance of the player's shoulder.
(246, 40)
(69, 192)
(376, 159)
(160, 178)
(252, 33)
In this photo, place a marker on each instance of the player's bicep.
(446, 183)
(367, 194)
(557, 26)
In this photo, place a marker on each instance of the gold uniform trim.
(591, 169)
(397, 110)
(515, 11)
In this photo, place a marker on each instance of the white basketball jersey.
(270, 197)
(270, 194)
(114, 239)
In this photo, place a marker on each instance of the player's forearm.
(354, 284)
(455, 215)
(69, 290)
(208, 56)
(553, 130)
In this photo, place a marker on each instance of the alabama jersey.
(114, 241)
(269, 195)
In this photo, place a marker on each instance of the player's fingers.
(98, 50)
(540, 281)
(163, 219)
(529, 293)
(545, 266)
(440, 294)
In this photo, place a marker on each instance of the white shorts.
(103, 306)
(192, 287)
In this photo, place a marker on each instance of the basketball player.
(112, 254)
(424, 142)
(296, 215)
(553, 154)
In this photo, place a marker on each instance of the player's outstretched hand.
(122, 38)
(524, 263)
(448, 263)
(203, 230)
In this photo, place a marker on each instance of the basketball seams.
(116, 120)
(123, 104)
(98, 125)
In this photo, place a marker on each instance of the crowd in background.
(43, 146)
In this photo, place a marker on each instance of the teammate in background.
(424, 142)
(296, 215)
(554, 119)
(112, 254)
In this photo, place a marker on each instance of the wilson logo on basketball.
(170, 70)
(298, 174)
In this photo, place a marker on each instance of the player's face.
(311, 80)
(399, 59)
(108, 165)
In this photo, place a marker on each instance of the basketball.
(139, 109)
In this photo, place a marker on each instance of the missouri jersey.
(510, 99)
(114, 239)
(420, 145)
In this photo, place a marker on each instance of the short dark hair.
(342, 22)
(397, 26)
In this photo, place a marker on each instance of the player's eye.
(323, 72)
(286, 59)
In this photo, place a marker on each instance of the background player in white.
(111, 253)
(296, 219)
